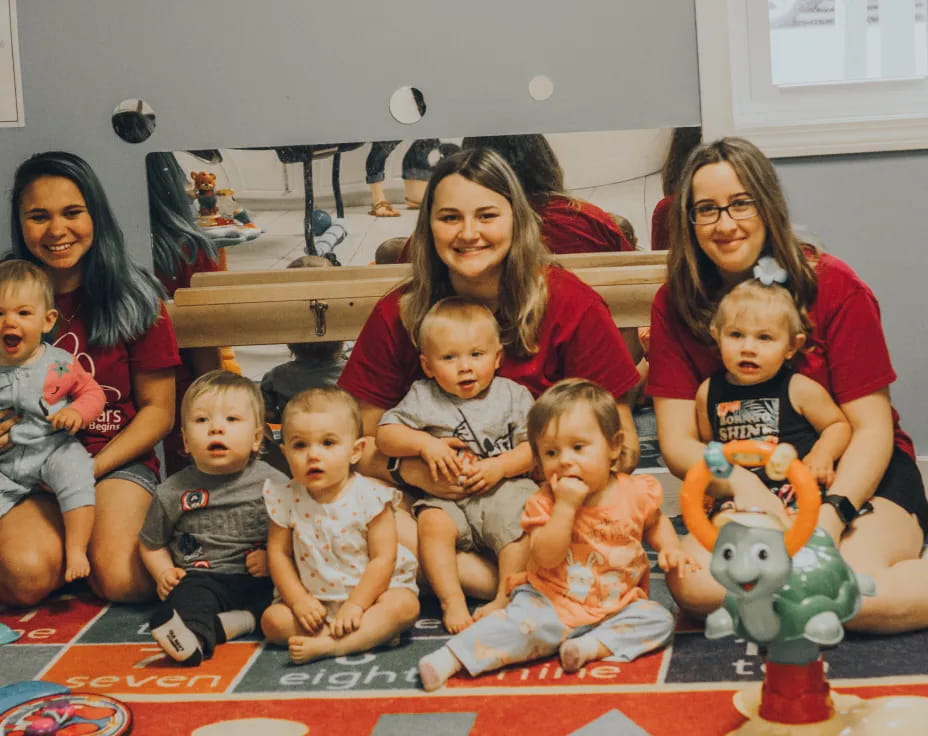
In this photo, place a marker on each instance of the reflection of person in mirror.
(55, 397)
(418, 161)
(314, 364)
(179, 250)
(485, 244)
(111, 317)
(469, 426)
(729, 213)
(568, 224)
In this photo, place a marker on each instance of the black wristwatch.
(393, 468)
(845, 509)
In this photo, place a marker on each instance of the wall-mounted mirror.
(263, 208)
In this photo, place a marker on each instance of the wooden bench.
(310, 304)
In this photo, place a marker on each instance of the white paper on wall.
(11, 94)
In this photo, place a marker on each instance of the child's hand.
(68, 419)
(751, 493)
(480, 476)
(256, 563)
(440, 454)
(676, 559)
(310, 613)
(821, 466)
(168, 580)
(347, 619)
(570, 491)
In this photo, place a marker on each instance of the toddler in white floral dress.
(344, 583)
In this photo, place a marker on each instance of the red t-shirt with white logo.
(113, 368)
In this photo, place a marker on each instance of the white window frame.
(848, 117)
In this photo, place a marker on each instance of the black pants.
(201, 596)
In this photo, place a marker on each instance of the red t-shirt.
(185, 271)
(577, 226)
(577, 339)
(846, 351)
(113, 366)
(660, 227)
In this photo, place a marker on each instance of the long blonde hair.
(523, 295)
(693, 281)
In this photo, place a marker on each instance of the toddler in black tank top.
(758, 396)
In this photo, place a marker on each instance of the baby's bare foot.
(495, 605)
(305, 649)
(77, 565)
(455, 616)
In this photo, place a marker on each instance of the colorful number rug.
(250, 688)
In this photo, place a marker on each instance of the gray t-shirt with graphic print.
(490, 424)
(210, 522)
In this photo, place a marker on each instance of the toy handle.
(749, 453)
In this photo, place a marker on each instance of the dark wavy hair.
(532, 158)
(122, 299)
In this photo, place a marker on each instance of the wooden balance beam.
(314, 304)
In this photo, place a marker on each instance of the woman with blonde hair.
(477, 236)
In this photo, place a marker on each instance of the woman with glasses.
(729, 212)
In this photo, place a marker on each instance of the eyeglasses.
(709, 214)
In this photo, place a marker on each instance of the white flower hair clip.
(768, 271)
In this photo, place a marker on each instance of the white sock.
(437, 667)
(236, 623)
(177, 641)
(577, 652)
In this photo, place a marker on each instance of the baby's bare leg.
(512, 559)
(437, 539)
(392, 613)
(78, 524)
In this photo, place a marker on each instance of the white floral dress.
(330, 539)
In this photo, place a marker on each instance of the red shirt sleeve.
(660, 232)
(677, 361)
(849, 355)
(383, 362)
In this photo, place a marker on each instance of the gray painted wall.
(239, 73)
(869, 210)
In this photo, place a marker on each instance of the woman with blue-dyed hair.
(111, 317)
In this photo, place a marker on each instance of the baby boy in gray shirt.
(469, 426)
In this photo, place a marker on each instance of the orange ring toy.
(750, 453)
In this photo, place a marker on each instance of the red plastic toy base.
(794, 693)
